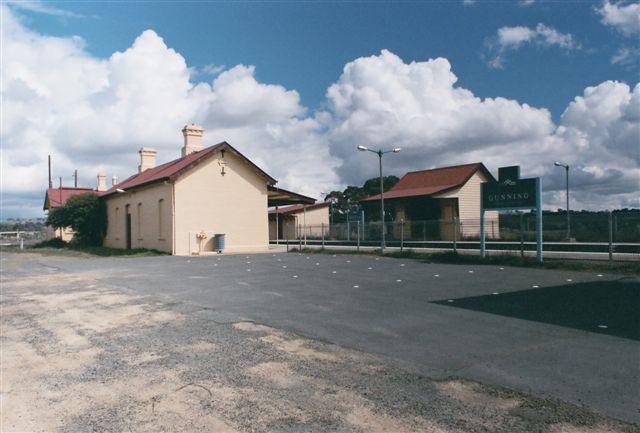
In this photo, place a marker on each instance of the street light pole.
(566, 168)
(380, 152)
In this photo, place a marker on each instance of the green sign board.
(510, 194)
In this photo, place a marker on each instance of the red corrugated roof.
(56, 197)
(297, 208)
(429, 182)
(173, 169)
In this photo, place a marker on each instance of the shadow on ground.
(607, 307)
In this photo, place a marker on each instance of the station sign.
(509, 194)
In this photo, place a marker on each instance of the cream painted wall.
(65, 233)
(469, 207)
(234, 204)
(315, 219)
(151, 227)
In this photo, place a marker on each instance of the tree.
(348, 201)
(86, 214)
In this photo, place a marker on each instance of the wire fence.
(22, 238)
(604, 232)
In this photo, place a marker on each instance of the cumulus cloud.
(383, 102)
(94, 114)
(513, 38)
(622, 16)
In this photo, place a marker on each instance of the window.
(139, 221)
(161, 218)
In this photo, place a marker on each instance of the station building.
(446, 195)
(294, 221)
(178, 207)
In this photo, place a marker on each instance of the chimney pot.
(192, 139)
(114, 180)
(147, 159)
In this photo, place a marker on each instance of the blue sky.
(297, 85)
(304, 45)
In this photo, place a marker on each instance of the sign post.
(510, 193)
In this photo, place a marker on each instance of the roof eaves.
(134, 187)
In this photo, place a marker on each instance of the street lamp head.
(363, 148)
(560, 164)
(396, 150)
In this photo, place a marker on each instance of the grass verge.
(59, 247)
(626, 268)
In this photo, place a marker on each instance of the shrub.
(86, 214)
(51, 243)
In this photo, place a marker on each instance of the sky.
(296, 86)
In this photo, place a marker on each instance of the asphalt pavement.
(384, 306)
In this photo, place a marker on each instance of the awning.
(281, 197)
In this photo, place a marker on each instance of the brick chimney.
(147, 159)
(102, 182)
(192, 139)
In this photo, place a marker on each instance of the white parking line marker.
(279, 260)
(536, 287)
(295, 276)
(401, 264)
(377, 258)
(334, 272)
(569, 280)
(348, 261)
(600, 275)
(471, 272)
(369, 268)
(248, 270)
(449, 300)
(502, 269)
(308, 258)
(495, 293)
(436, 275)
(398, 281)
(284, 267)
(317, 264)
(248, 263)
(355, 287)
(603, 326)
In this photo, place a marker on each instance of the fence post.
(521, 235)
(21, 242)
(610, 238)
(358, 236)
(455, 234)
(401, 235)
(322, 235)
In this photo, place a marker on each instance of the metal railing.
(608, 233)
